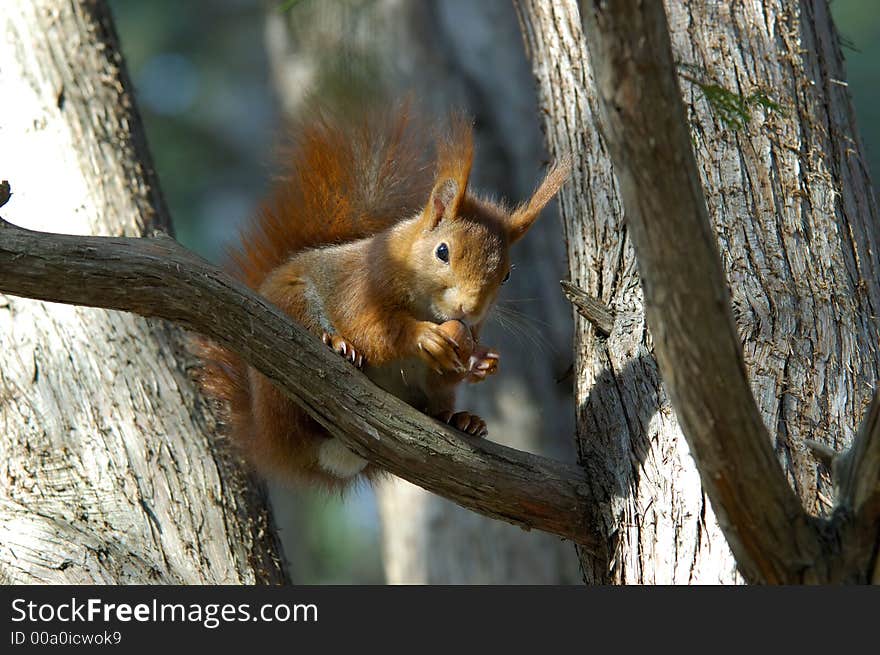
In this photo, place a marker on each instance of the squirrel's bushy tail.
(346, 173)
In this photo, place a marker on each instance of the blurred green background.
(858, 22)
(202, 83)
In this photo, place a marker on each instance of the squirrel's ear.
(455, 152)
(443, 203)
(523, 216)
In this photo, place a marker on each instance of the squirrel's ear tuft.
(443, 203)
(455, 153)
(525, 215)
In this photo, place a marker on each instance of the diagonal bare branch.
(156, 277)
(857, 471)
(856, 475)
(591, 308)
(686, 296)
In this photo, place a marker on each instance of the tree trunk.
(111, 472)
(459, 54)
(791, 203)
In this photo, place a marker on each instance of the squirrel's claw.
(482, 364)
(465, 421)
(439, 350)
(339, 345)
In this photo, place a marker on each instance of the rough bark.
(856, 474)
(110, 469)
(460, 54)
(790, 204)
(687, 303)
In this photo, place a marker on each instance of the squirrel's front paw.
(344, 348)
(464, 421)
(482, 363)
(438, 350)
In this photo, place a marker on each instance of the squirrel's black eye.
(506, 278)
(442, 253)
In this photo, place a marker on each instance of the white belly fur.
(337, 459)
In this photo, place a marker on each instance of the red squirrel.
(381, 250)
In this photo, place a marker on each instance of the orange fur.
(522, 217)
(348, 243)
(343, 178)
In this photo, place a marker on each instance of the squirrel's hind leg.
(465, 421)
(441, 407)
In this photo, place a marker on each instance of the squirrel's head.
(461, 253)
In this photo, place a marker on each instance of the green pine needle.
(287, 5)
(732, 109)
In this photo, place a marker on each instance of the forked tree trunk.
(110, 469)
(790, 199)
(459, 54)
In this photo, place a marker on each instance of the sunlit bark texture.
(790, 201)
(109, 470)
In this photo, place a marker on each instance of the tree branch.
(592, 309)
(856, 474)
(858, 469)
(156, 277)
(687, 302)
